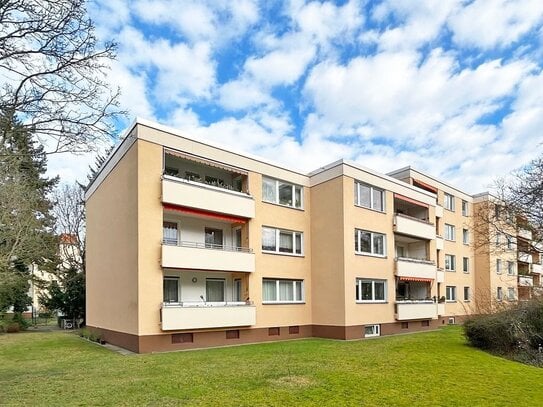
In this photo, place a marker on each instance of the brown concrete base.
(183, 340)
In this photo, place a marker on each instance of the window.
(498, 266)
(282, 241)
(275, 331)
(467, 294)
(232, 334)
(213, 238)
(450, 232)
(236, 295)
(511, 268)
(169, 233)
(372, 330)
(450, 262)
(510, 242)
(499, 294)
(370, 290)
(449, 202)
(282, 193)
(170, 289)
(182, 338)
(464, 208)
(282, 291)
(511, 294)
(498, 239)
(368, 196)
(465, 264)
(369, 242)
(294, 330)
(215, 289)
(465, 236)
(405, 325)
(450, 293)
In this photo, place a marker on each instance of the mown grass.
(426, 369)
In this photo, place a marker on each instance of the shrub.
(90, 335)
(516, 332)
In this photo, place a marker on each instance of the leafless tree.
(53, 73)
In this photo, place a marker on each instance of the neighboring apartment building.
(192, 245)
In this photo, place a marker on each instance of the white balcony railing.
(525, 234)
(202, 256)
(439, 243)
(406, 267)
(206, 197)
(526, 281)
(525, 257)
(536, 268)
(406, 310)
(414, 227)
(209, 315)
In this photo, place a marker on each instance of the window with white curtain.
(169, 233)
(215, 290)
(450, 232)
(170, 289)
(282, 241)
(282, 291)
(282, 193)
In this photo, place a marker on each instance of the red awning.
(411, 200)
(419, 279)
(424, 185)
(199, 212)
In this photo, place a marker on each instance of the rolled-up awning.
(206, 214)
(411, 200)
(418, 279)
(424, 185)
(205, 161)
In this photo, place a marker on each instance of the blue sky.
(453, 88)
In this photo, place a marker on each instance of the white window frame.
(498, 266)
(293, 186)
(499, 293)
(358, 184)
(510, 241)
(170, 242)
(465, 262)
(358, 237)
(467, 290)
(509, 296)
(358, 286)
(450, 293)
(448, 202)
(452, 263)
(278, 300)
(277, 242)
(465, 210)
(465, 236)
(450, 232)
(375, 330)
(510, 268)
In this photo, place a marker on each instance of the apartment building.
(190, 244)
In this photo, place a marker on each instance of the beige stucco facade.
(185, 250)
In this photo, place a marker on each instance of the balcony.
(526, 281)
(440, 309)
(439, 211)
(439, 243)
(440, 276)
(525, 257)
(192, 194)
(525, 234)
(406, 267)
(411, 226)
(407, 310)
(210, 315)
(205, 256)
(536, 268)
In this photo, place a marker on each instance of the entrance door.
(213, 238)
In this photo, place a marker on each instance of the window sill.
(284, 206)
(372, 302)
(466, 272)
(450, 301)
(282, 254)
(282, 302)
(467, 300)
(370, 209)
(450, 240)
(379, 256)
(450, 271)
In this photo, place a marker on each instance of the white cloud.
(495, 23)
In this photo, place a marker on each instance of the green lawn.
(426, 369)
